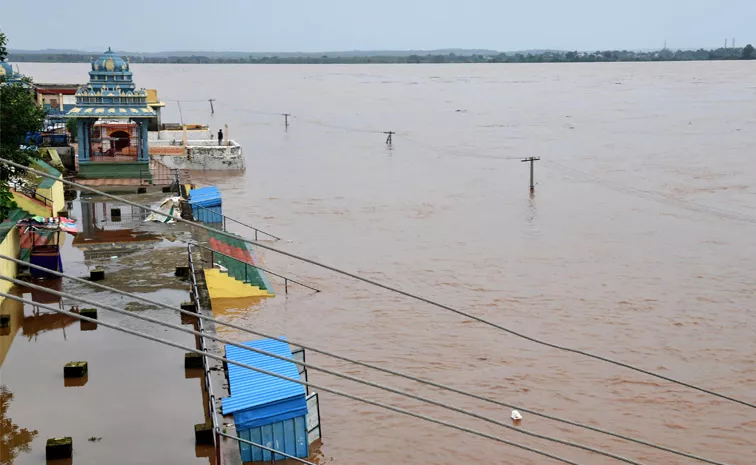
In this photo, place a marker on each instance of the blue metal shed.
(207, 205)
(267, 410)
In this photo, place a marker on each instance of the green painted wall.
(115, 170)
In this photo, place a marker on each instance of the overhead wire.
(605, 182)
(293, 380)
(457, 152)
(357, 362)
(395, 290)
(657, 196)
(321, 369)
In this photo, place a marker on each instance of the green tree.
(3, 50)
(19, 114)
(72, 128)
(12, 438)
(747, 52)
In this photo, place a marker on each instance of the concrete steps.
(238, 261)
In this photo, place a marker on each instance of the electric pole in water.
(212, 110)
(286, 119)
(388, 139)
(532, 179)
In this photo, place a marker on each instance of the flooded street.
(136, 392)
(637, 245)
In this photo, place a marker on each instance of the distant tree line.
(744, 53)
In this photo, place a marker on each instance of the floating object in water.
(516, 415)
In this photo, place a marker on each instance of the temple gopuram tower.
(112, 118)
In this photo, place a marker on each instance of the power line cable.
(456, 152)
(657, 196)
(321, 369)
(367, 365)
(296, 381)
(396, 290)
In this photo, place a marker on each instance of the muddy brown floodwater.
(664, 281)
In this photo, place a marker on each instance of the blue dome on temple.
(6, 69)
(9, 76)
(110, 62)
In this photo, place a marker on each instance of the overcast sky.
(329, 25)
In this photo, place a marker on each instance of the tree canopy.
(534, 56)
(748, 52)
(19, 114)
(3, 50)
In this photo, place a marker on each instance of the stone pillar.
(144, 149)
(83, 138)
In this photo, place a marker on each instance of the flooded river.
(638, 243)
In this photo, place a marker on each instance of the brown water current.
(664, 281)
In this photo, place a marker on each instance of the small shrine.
(10, 77)
(112, 118)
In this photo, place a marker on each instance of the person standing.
(220, 136)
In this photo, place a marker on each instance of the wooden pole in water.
(532, 178)
(212, 110)
(286, 119)
(388, 139)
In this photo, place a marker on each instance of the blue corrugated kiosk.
(267, 410)
(207, 205)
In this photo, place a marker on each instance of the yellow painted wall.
(55, 193)
(10, 247)
(222, 286)
(32, 206)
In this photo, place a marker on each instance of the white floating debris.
(516, 415)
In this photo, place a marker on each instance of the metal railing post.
(286, 286)
(224, 222)
(217, 447)
(255, 235)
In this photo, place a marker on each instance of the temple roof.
(111, 92)
(111, 112)
(6, 69)
(10, 76)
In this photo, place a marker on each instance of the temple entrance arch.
(121, 140)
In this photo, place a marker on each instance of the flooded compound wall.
(202, 156)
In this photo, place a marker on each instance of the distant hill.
(237, 55)
(450, 55)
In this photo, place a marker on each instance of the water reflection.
(107, 229)
(76, 382)
(15, 309)
(13, 440)
(39, 323)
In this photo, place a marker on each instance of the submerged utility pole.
(388, 139)
(286, 119)
(532, 179)
(212, 110)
